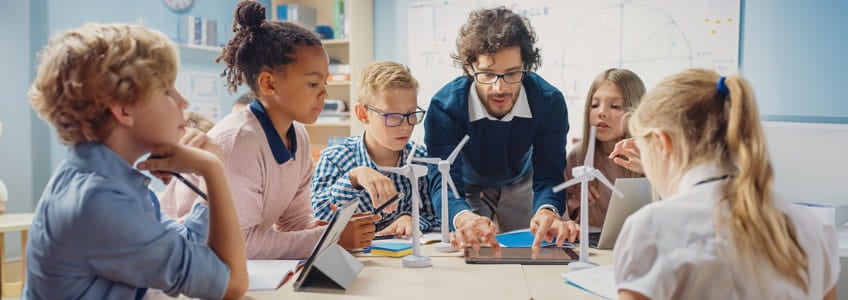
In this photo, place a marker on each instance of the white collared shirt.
(672, 248)
(476, 111)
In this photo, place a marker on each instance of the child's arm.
(331, 186)
(194, 227)
(224, 235)
(224, 232)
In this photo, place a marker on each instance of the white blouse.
(670, 249)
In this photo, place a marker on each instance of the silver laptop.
(637, 193)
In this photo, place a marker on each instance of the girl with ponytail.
(720, 232)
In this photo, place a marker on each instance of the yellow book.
(391, 253)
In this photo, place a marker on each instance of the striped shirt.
(331, 184)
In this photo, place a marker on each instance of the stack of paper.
(391, 249)
(599, 281)
(270, 274)
(831, 211)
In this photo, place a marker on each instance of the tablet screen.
(525, 256)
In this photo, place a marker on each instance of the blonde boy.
(388, 107)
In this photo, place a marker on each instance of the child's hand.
(198, 139)
(359, 231)
(378, 186)
(178, 158)
(632, 159)
(401, 227)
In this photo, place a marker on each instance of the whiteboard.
(579, 39)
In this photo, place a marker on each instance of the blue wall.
(16, 152)
(793, 53)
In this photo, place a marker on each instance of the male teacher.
(517, 123)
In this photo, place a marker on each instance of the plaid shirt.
(331, 184)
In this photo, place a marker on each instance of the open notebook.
(270, 274)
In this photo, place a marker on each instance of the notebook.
(270, 274)
(391, 249)
(427, 238)
(599, 281)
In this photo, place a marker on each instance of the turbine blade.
(600, 177)
(427, 160)
(589, 160)
(451, 185)
(567, 184)
(458, 148)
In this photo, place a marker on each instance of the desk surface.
(15, 222)
(449, 278)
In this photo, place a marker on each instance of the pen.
(191, 185)
(186, 182)
(392, 200)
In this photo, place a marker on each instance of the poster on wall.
(203, 92)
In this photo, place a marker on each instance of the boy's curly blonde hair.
(84, 71)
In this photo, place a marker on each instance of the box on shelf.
(339, 72)
(297, 13)
(193, 30)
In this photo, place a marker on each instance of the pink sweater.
(271, 199)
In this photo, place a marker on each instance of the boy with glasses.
(348, 171)
(517, 123)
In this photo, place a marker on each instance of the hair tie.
(721, 87)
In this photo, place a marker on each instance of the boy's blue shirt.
(97, 234)
(499, 153)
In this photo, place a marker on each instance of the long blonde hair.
(631, 88)
(709, 125)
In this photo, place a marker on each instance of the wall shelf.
(334, 42)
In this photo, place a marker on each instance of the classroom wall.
(17, 152)
(793, 54)
(153, 14)
(29, 149)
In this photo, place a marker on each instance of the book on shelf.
(297, 13)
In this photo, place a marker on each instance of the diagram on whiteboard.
(579, 39)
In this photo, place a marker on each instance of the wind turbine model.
(444, 169)
(583, 175)
(413, 172)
